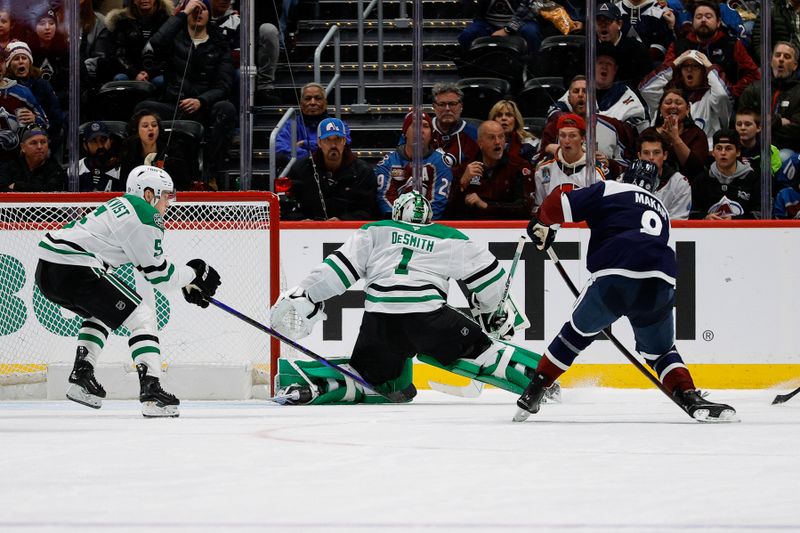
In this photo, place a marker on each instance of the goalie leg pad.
(503, 365)
(335, 388)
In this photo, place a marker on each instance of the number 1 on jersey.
(402, 268)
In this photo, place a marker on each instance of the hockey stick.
(607, 332)
(474, 388)
(781, 398)
(392, 396)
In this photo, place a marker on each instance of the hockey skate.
(294, 394)
(702, 410)
(84, 388)
(531, 399)
(156, 402)
(552, 394)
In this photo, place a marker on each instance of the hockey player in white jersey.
(406, 264)
(75, 270)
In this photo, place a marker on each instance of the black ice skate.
(703, 410)
(294, 394)
(156, 402)
(84, 388)
(531, 398)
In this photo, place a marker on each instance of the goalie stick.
(610, 336)
(474, 388)
(781, 398)
(395, 397)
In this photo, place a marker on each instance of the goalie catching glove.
(203, 285)
(294, 315)
(542, 236)
(499, 323)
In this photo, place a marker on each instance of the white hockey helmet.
(150, 177)
(412, 207)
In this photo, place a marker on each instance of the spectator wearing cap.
(18, 108)
(19, 66)
(332, 183)
(100, 169)
(34, 170)
(511, 17)
(51, 53)
(131, 29)
(651, 22)
(729, 189)
(785, 110)
(496, 185)
(718, 46)
(615, 139)
(710, 103)
(634, 61)
(568, 168)
(452, 133)
(202, 93)
(394, 172)
(614, 98)
(313, 110)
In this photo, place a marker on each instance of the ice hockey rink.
(603, 460)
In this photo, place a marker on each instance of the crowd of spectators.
(186, 50)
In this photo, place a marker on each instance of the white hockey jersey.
(553, 172)
(125, 229)
(407, 267)
(676, 195)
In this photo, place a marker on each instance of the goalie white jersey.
(125, 229)
(407, 267)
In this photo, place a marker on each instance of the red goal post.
(238, 233)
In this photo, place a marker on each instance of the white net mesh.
(231, 234)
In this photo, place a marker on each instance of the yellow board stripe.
(625, 376)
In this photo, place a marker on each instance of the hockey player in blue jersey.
(633, 272)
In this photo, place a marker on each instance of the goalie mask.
(412, 207)
(146, 177)
(643, 174)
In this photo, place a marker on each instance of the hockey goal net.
(237, 233)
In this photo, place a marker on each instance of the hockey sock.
(332, 386)
(502, 364)
(143, 342)
(670, 369)
(565, 348)
(92, 336)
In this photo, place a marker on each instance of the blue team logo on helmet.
(643, 174)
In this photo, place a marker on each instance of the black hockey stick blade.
(394, 397)
(781, 398)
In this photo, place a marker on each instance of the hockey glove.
(498, 324)
(204, 284)
(542, 236)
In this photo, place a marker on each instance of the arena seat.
(480, 94)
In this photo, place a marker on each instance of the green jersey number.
(159, 249)
(402, 268)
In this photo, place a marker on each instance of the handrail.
(273, 136)
(336, 83)
(361, 105)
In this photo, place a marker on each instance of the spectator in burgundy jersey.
(452, 133)
(688, 142)
(495, 185)
(519, 142)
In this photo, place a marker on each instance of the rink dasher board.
(736, 317)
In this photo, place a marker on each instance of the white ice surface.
(604, 460)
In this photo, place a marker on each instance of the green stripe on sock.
(91, 338)
(144, 349)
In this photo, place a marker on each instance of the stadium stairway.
(375, 131)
